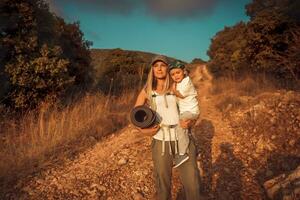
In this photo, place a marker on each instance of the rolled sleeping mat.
(143, 117)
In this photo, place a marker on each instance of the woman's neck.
(160, 85)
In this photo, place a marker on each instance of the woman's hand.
(149, 131)
(187, 123)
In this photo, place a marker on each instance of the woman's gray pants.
(163, 164)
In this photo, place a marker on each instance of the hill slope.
(119, 70)
(120, 167)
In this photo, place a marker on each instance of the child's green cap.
(176, 64)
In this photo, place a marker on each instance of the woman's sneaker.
(180, 159)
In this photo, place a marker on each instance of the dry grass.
(245, 87)
(29, 139)
(228, 102)
(232, 93)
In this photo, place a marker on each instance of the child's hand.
(176, 92)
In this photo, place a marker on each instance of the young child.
(186, 95)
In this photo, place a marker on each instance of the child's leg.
(182, 134)
(183, 140)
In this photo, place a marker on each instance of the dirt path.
(224, 173)
(117, 168)
(222, 132)
(120, 167)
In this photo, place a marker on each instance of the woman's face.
(160, 70)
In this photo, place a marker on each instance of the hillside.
(236, 155)
(120, 70)
(102, 58)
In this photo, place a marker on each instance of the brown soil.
(120, 166)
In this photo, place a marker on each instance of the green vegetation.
(118, 70)
(41, 56)
(268, 44)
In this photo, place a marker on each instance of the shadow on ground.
(226, 169)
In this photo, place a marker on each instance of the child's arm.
(176, 92)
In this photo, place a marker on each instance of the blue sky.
(178, 28)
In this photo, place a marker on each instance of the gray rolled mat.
(143, 117)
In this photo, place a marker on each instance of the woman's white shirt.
(168, 114)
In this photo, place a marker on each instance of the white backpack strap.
(153, 101)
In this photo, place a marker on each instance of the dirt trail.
(113, 167)
(222, 131)
(120, 166)
(224, 173)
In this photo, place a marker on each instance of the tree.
(226, 51)
(289, 8)
(42, 55)
(40, 78)
(268, 44)
(272, 42)
(125, 71)
(76, 49)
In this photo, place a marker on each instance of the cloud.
(109, 6)
(179, 8)
(156, 8)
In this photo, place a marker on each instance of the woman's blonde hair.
(151, 85)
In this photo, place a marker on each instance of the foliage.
(120, 70)
(268, 44)
(123, 71)
(273, 41)
(38, 78)
(41, 55)
(198, 61)
(226, 50)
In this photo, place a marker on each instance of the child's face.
(177, 74)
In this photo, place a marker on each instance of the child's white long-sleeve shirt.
(189, 103)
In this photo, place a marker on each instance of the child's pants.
(182, 133)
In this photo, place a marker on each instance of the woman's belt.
(168, 126)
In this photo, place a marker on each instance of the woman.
(157, 95)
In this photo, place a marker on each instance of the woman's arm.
(148, 131)
(141, 100)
